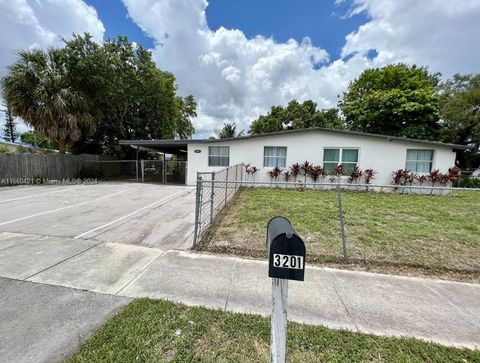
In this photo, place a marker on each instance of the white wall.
(379, 154)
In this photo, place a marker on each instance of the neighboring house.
(16, 147)
(325, 147)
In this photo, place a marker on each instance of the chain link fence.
(166, 172)
(214, 191)
(433, 229)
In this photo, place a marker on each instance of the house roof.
(166, 145)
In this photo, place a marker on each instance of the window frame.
(210, 155)
(275, 157)
(340, 156)
(432, 161)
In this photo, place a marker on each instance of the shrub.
(250, 170)
(470, 183)
(435, 176)
(403, 177)
(287, 175)
(421, 178)
(315, 172)
(454, 174)
(274, 173)
(368, 175)
(295, 169)
(305, 168)
(356, 175)
(337, 173)
(4, 149)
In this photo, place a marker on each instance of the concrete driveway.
(149, 215)
(63, 233)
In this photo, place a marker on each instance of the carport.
(167, 170)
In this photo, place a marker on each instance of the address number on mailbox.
(288, 261)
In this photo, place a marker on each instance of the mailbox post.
(286, 261)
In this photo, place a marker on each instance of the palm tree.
(37, 89)
(229, 130)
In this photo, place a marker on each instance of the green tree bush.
(296, 116)
(460, 99)
(396, 100)
(38, 89)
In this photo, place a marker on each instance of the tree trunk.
(62, 146)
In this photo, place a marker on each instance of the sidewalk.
(444, 312)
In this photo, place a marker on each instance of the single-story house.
(319, 146)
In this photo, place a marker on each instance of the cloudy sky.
(238, 58)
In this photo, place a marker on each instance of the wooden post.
(278, 340)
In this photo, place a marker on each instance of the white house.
(320, 146)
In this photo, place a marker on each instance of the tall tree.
(296, 116)
(38, 89)
(460, 112)
(132, 98)
(10, 127)
(397, 100)
(229, 130)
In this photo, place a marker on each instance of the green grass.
(161, 331)
(400, 233)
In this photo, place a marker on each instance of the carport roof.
(167, 146)
(180, 146)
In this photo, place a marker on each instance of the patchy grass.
(161, 331)
(393, 233)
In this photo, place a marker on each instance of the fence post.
(142, 166)
(226, 189)
(197, 212)
(136, 168)
(236, 177)
(342, 223)
(164, 172)
(212, 196)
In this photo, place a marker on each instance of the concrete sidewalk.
(444, 312)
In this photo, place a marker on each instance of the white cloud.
(235, 79)
(441, 34)
(27, 24)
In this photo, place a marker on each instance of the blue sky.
(322, 21)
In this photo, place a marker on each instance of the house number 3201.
(287, 261)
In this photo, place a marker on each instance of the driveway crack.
(349, 314)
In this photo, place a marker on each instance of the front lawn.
(393, 233)
(161, 331)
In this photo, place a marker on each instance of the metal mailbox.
(286, 250)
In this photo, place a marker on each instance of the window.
(419, 161)
(218, 156)
(275, 156)
(347, 157)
